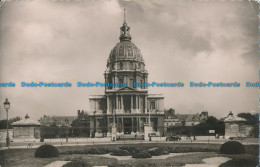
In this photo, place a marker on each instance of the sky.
(181, 41)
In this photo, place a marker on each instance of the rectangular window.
(152, 105)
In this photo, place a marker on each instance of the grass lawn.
(244, 160)
(25, 157)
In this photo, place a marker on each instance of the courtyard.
(181, 154)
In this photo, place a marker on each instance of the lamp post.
(94, 135)
(149, 121)
(7, 106)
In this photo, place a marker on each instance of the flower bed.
(120, 152)
(142, 154)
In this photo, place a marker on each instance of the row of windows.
(130, 83)
(127, 65)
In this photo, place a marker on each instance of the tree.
(10, 121)
(251, 119)
(76, 123)
(211, 124)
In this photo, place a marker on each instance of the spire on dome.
(125, 35)
(124, 18)
(26, 116)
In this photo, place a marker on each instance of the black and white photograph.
(129, 83)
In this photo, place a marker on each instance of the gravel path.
(57, 164)
(210, 162)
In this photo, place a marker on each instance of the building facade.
(57, 121)
(124, 104)
(26, 129)
(234, 126)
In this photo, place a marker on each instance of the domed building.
(125, 104)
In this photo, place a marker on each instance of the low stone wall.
(158, 138)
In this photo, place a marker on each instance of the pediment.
(126, 89)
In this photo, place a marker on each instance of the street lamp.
(7, 106)
(94, 135)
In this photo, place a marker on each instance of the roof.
(125, 50)
(182, 117)
(26, 122)
(63, 118)
(233, 118)
(193, 118)
(170, 113)
(125, 55)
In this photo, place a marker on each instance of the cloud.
(180, 41)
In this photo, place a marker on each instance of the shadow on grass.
(75, 164)
(239, 163)
(242, 160)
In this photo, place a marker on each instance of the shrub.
(97, 151)
(188, 149)
(74, 152)
(131, 150)
(120, 152)
(157, 151)
(46, 151)
(142, 155)
(232, 147)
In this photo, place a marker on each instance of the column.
(108, 105)
(122, 102)
(116, 80)
(116, 102)
(106, 79)
(136, 102)
(96, 126)
(132, 102)
(137, 80)
(117, 125)
(146, 81)
(140, 108)
(132, 125)
(119, 102)
(145, 108)
(122, 126)
(96, 105)
(108, 126)
(137, 124)
(140, 125)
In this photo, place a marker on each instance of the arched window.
(121, 65)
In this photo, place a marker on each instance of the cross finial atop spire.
(125, 35)
(124, 16)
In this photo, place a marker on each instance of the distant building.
(26, 129)
(128, 105)
(172, 119)
(58, 121)
(195, 119)
(234, 126)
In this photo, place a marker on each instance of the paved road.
(101, 142)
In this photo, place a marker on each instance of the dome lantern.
(125, 31)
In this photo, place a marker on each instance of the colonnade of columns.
(136, 126)
(126, 79)
(136, 104)
(124, 125)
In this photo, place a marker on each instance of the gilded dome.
(125, 50)
(125, 55)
